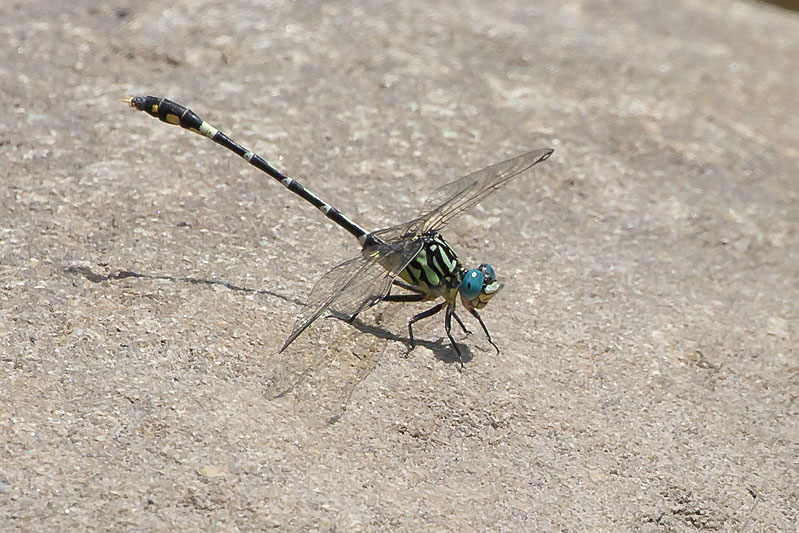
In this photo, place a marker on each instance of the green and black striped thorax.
(435, 270)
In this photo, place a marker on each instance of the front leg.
(485, 329)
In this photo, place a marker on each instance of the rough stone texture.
(648, 374)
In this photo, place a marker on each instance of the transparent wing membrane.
(448, 201)
(357, 284)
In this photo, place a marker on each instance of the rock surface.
(648, 325)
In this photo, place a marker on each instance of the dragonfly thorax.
(435, 270)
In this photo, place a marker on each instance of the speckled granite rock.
(648, 327)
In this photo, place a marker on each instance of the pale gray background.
(648, 374)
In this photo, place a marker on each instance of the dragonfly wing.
(357, 284)
(450, 200)
(361, 282)
(398, 233)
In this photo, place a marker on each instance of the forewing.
(357, 284)
(450, 200)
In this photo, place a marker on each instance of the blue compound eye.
(472, 284)
(488, 270)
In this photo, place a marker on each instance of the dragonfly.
(412, 256)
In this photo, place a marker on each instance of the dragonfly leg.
(448, 329)
(485, 329)
(405, 298)
(424, 314)
(407, 286)
(395, 298)
(366, 305)
(416, 297)
(460, 323)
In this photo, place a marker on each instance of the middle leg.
(460, 323)
(448, 329)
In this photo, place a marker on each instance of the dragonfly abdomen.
(173, 113)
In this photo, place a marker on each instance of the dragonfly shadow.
(94, 277)
(441, 348)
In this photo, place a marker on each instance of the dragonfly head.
(478, 286)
